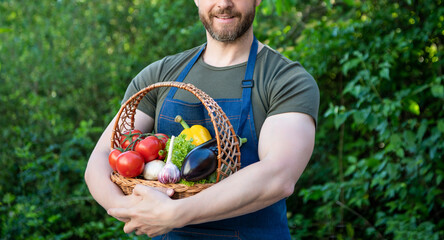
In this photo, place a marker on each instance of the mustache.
(227, 11)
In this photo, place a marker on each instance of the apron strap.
(247, 85)
(186, 70)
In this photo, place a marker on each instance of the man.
(275, 109)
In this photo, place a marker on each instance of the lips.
(224, 18)
(224, 14)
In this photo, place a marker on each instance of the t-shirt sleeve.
(149, 75)
(166, 69)
(294, 90)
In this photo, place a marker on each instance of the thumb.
(167, 191)
(142, 190)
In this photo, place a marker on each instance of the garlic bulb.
(152, 169)
(169, 173)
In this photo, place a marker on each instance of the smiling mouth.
(224, 14)
(224, 17)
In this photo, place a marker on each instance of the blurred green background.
(377, 169)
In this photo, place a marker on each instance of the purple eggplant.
(200, 162)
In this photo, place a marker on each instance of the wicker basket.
(228, 144)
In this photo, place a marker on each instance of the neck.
(223, 54)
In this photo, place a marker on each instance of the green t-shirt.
(280, 85)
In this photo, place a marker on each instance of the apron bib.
(268, 223)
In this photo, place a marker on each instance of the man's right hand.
(133, 199)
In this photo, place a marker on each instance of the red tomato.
(128, 137)
(163, 138)
(112, 158)
(130, 164)
(149, 148)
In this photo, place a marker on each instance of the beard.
(228, 33)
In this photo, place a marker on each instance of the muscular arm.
(98, 171)
(285, 147)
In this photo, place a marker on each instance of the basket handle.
(227, 142)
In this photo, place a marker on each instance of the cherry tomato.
(130, 164)
(112, 158)
(163, 138)
(149, 148)
(128, 137)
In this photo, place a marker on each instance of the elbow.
(86, 175)
(287, 189)
(282, 182)
(283, 187)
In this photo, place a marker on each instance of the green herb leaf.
(180, 150)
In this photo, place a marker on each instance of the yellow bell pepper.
(198, 133)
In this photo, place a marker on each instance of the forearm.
(98, 171)
(97, 177)
(253, 188)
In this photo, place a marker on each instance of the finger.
(119, 213)
(154, 232)
(167, 191)
(133, 200)
(142, 190)
(139, 232)
(129, 227)
(123, 219)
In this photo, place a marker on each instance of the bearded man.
(270, 100)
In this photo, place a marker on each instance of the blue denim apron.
(268, 223)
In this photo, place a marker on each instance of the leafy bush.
(64, 68)
(377, 171)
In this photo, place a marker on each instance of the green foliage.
(64, 67)
(181, 148)
(376, 172)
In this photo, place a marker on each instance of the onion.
(152, 169)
